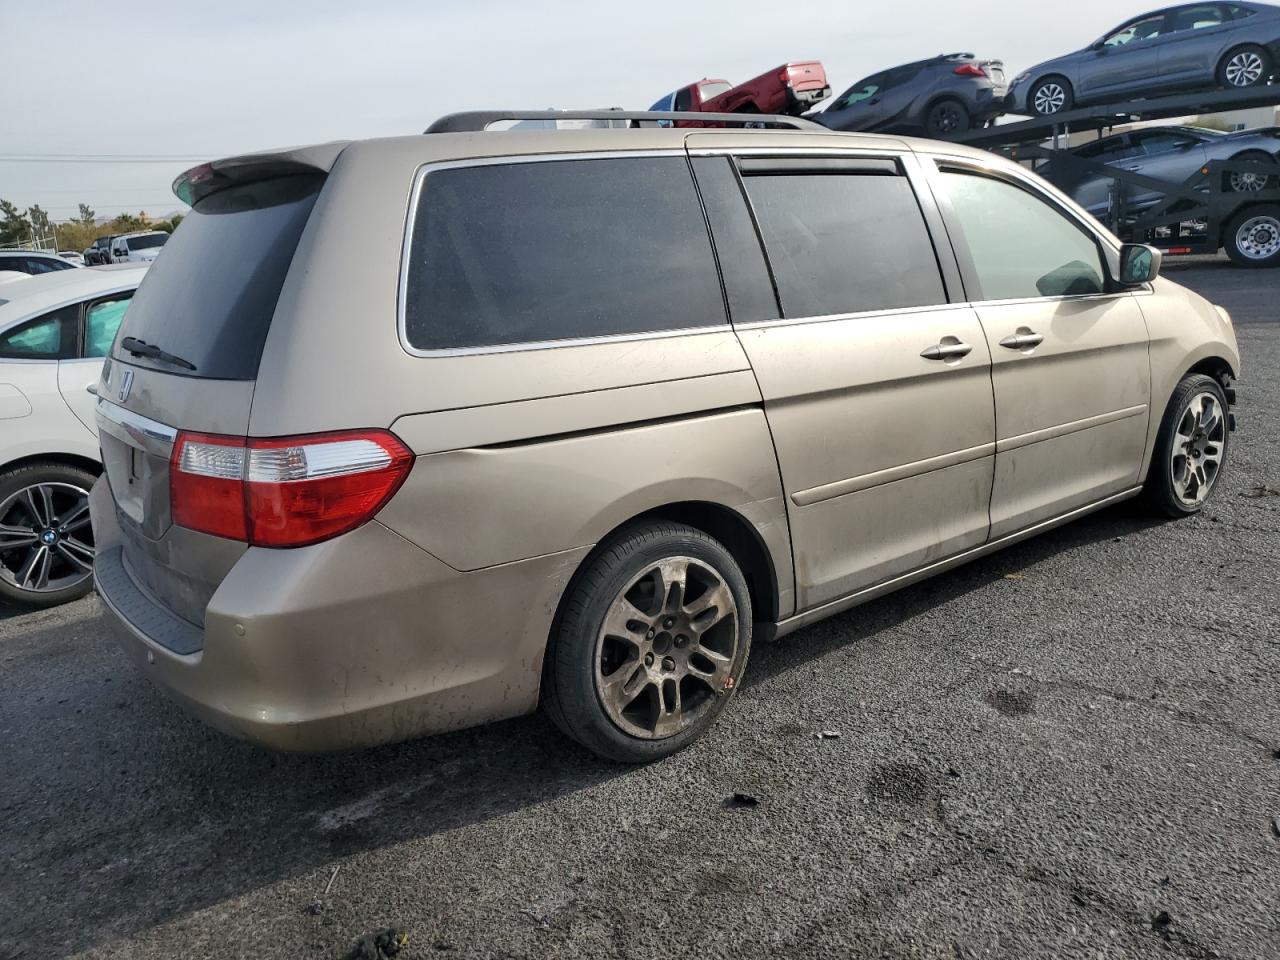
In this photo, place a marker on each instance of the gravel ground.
(1070, 749)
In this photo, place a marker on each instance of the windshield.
(150, 240)
(862, 90)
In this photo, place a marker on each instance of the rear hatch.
(995, 70)
(806, 76)
(186, 358)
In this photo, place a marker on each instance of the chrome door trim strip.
(1064, 429)
(800, 620)
(841, 488)
(153, 436)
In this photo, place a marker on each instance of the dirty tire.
(572, 688)
(17, 479)
(1160, 490)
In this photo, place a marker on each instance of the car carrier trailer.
(1197, 216)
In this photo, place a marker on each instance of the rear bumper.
(361, 640)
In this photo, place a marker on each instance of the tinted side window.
(684, 98)
(746, 274)
(554, 250)
(845, 242)
(1020, 245)
(48, 337)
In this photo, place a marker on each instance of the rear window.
(150, 240)
(524, 252)
(210, 298)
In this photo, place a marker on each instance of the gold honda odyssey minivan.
(412, 434)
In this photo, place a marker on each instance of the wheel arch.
(68, 459)
(738, 535)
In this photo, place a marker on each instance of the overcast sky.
(198, 80)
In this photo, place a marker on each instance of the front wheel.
(46, 542)
(650, 645)
(1191, 449)
(1051, 96)
(947, 118)
(1250, 181)
(1244, 67)
(1252, 237)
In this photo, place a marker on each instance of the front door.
(1125, 61)
(876, 387)
(1189, 53)
(1069, 355)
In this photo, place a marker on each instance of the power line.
(103, 158)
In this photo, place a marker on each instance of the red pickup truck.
(792, 88)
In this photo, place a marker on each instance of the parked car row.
(139, 247)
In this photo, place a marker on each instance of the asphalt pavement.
(1068, 749)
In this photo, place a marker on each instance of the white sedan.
(54, 331)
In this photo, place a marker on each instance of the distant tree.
(39, 220)
(127, 222)
(14, 227)
(176, 219)
(87, 215)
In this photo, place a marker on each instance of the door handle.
(949, 349)
(1023, 340)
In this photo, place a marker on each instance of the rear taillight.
(970, 70)
(284, 492)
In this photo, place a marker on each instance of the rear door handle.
(949, 349)
(1024, 340)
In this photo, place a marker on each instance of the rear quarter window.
(528, 252)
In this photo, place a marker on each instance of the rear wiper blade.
(140, 348)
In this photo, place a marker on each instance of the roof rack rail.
(477, 120)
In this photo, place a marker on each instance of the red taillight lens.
(285, 492)
(206, 485)
(970, 70)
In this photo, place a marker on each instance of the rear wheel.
(946, 118)
(1252, 237)
(1247, 181)
(650, 645)
(46, 541)
(1243, 67)
(1191, 448)
(1052, 95)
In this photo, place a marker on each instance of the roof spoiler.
(478, 120)
(195, 184)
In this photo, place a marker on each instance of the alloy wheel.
(1248, 181)
(1050, 98)
(1244, 69)
(46, 541)
(1198, 446)
(1259, 237)
(667, 648)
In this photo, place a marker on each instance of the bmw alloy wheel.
(46, 542)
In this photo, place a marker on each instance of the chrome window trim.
(415, 196)
(857, 315)
(67, 303)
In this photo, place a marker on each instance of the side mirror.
(1139, 264)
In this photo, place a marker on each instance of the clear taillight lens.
(285, 492)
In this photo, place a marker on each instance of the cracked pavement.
(1078, 760)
